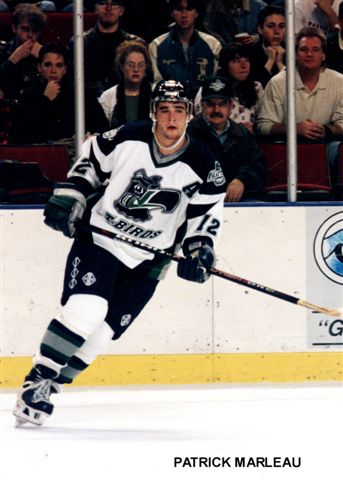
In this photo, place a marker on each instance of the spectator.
(46, 110)
(100, 44)
(18, 58)
(268, 54)
(129, 100)
(240, 157)
(318, 95)
(234, 64)
(227, 18)
(184, 53)
(321, 14)
(334, 55)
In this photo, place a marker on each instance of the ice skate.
(33, 402)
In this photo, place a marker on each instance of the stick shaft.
(218, 273)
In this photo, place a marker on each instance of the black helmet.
(169, 91)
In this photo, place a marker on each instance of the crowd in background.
(136, 43)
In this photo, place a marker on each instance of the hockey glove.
(64, 209)
(194, 266)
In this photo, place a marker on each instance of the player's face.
(52, 67)
(184, 17)
(216, 111)
(108, 12)
(171, 118)
(24, 31)
(310, 55)
(239, 68)
(273, 30)
(134, 68)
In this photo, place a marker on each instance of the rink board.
(217, 332)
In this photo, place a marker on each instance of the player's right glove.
(65, 208)
(194, 267)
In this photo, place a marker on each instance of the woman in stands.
(129, 99)
(234, 64)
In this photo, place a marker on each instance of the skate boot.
(33, 402)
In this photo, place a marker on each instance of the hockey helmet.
(170, 91)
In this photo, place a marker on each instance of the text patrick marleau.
(237, 462)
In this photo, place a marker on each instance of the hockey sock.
(81, 316)
(73, 369)
(96, 343)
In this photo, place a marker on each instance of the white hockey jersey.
(160, 204)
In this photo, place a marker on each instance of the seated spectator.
(334, 54)
(234, 64)
(18, 58)
(268, 54)
(130, 99)
(184, 53)
(100, 44)
(318, 94)
(321, 14)
(241, 158)
(46, 112)
(228, 18)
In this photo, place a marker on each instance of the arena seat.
(314, 182)
(59, 26)
(42, 166)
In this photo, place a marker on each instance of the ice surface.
(129, 433)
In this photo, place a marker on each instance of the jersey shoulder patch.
(204, 163)
(139, 130)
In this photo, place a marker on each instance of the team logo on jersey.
(125, 320)
(216, 175)
(328, 248)
(88, 279)
(143, 195)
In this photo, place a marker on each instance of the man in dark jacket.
(236, 148)
(185, 53)
(18, 58)
(45, 111)
(100, 44)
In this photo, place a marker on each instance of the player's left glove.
(65, 208)
(199, 257)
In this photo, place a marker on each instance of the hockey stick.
(334, 312)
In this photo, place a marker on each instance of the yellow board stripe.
(194, 369)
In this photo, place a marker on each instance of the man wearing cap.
(240, 157)
(100, 44)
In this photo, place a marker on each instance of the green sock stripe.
(49, 352)
(64, 332)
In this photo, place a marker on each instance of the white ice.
(135, 432)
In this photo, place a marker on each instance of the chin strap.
(172, 147)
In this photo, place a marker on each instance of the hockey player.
(148, 181)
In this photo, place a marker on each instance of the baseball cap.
(217, 87)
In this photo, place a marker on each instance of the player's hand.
(64, 209)
(194, 266)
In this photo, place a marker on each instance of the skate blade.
(29, 416)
